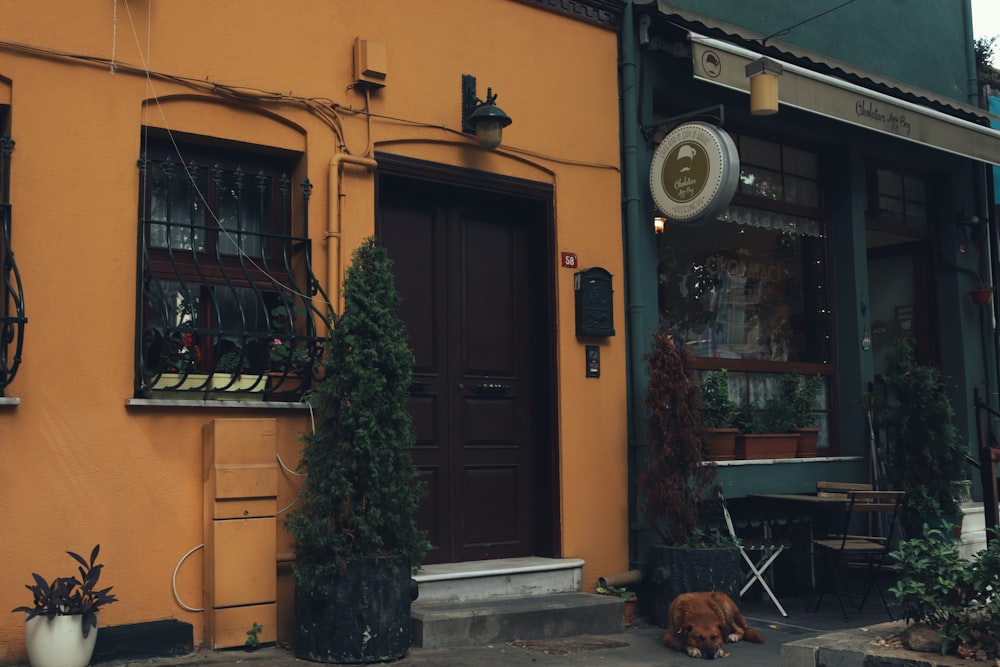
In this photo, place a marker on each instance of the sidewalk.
(805, 636)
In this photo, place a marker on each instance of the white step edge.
(506, 577)
(493, 568)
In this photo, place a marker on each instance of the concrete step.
(496, 601)
(508, 618)
(503, 577)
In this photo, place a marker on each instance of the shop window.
(897, 198)
(226, 289)
(752, 284)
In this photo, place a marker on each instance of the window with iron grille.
(12, 319)
(228, 304)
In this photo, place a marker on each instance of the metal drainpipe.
(981, 192)
(335, 256)
(972, 86)
(634, 242)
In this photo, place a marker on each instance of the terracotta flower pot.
(807, 442)
(721, 444)
(981, 295)
(767, 446)
(629, 611)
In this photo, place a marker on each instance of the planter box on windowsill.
(201, 386)
(286, 386)
(721, 444)
(767, 446)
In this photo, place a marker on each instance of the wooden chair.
(767, 551)
(865, 540)
(839, 489)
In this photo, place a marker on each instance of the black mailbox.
(594, 306)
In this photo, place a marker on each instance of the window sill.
(188, 403)
(813, 459)
(12, 400)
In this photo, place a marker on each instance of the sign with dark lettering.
(694, 173)
(884, 118)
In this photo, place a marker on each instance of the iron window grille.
(228, 303)
(12, 319)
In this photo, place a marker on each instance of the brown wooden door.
(466, 266)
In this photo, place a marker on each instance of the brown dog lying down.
(700, 623)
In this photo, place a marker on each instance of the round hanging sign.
(694, 173)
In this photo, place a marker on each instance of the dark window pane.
(759, 152)
(890, 183)
(800, 163)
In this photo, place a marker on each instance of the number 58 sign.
(569, 260)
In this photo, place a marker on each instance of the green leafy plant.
(800, 393)
(362, 490)
(677, 480)
(232, 362)
(923, 455)
(287, 355)
(620, 591)
(717, 407)
(954, 596)
(71, 596)
(253, 637)
(791, 408)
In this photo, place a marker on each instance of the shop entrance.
(470, 267)
(902, 301)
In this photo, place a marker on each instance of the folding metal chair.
(877, 513)
(768, 550)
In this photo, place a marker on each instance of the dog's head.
(703, 640)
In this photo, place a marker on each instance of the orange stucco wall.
(80, 465)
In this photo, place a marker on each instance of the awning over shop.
(724, 64)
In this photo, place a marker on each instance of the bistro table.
(795, 505)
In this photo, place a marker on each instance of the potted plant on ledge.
(355, 532)
(776, 430)
(60, 627)
(678, 485)
(800, 394)
(719, 410)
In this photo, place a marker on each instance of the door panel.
(464, 266)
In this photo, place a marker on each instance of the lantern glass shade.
(489, 133)
(763, 74)
(764, 94)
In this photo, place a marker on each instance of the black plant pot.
(362, 616)
(679, 570)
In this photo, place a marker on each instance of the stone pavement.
(803, 640)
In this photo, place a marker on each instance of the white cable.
(174, 580)
(144, 59)
(286, 468)
(289, 505)
(114, 33)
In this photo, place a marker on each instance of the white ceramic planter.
(58, 641)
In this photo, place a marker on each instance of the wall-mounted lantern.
(482, 117)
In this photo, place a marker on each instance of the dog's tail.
(752, 636)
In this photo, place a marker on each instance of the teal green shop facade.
(862, 213)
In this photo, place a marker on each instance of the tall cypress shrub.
(361, 491)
